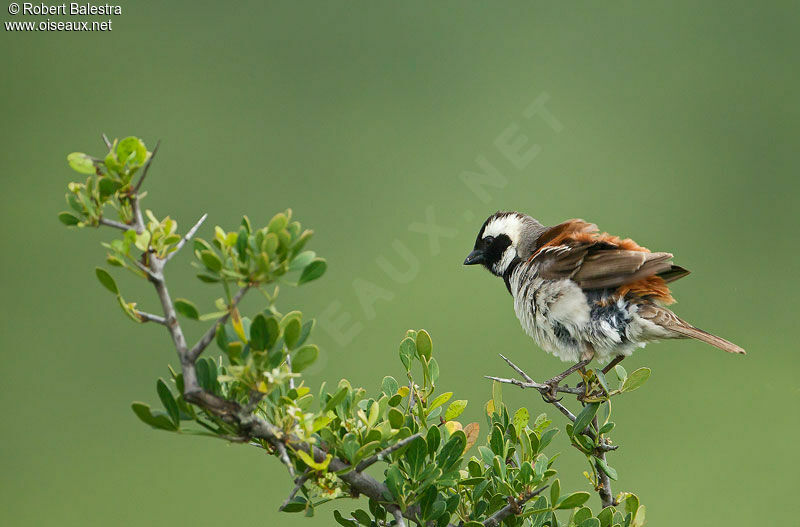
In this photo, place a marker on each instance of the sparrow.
(582, 294)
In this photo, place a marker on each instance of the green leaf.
(291, 333)
(407, 350)
(389, 386)
(308, 460)
(302, 260)
(452, 450)
(454, 409)
(131, 150)
(304, 357)
(396, 418)
(521, 418)
(576, 499)
(362, 517)
(540, 465)
(108, 186)
(590, 522)
(620, 372)
(605, 516)
(336, 399)
(168, 401)
(555, 491)
(278, 222)
(439, 400)
(603, 465)
(601, 378)
(433, 438)
(394, 482)
(186, 308)
(313, 271)
(143, 240)
(497, 396)
(80, 162)
(298, 504)
(585, 417)
(415, 456)
(424, 344)
(68, 219)
(160, 421)
(631, 504)
(343, 521)
(259, 333)
(211, 261)
(105, 278)
(635, 380)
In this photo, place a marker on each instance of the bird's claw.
(549, 394)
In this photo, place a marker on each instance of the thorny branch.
(251, 427)
(187, 237)
(604, 490)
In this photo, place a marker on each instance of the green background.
(680, 126)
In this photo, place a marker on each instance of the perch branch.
(603, 446)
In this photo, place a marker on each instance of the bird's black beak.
(475, 257)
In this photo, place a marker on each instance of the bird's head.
(504, 238)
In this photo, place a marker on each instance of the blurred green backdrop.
(679, 126)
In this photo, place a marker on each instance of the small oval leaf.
(105, 278)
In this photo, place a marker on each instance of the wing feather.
(594, 260)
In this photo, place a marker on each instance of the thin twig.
(536, 385)
(284, 456)
(513, 508)
(410, 395)
(516, 368)
(106, 141)
(146, 167)
(380, 456)
(149, 317)
(144, 269)
(209, 335)
(606, 495)
(298, 484)
(115, 224)
(188, 236)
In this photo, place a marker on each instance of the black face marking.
(492, 248)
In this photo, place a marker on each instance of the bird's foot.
(550, 391)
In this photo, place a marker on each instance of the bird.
(582, 294)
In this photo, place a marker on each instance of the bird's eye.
(488, 240)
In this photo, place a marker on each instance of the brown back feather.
(600, 260)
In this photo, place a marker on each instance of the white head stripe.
(510, 225)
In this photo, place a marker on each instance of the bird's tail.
(690, 331)
(668, 320)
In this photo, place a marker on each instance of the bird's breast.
(555, 313)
